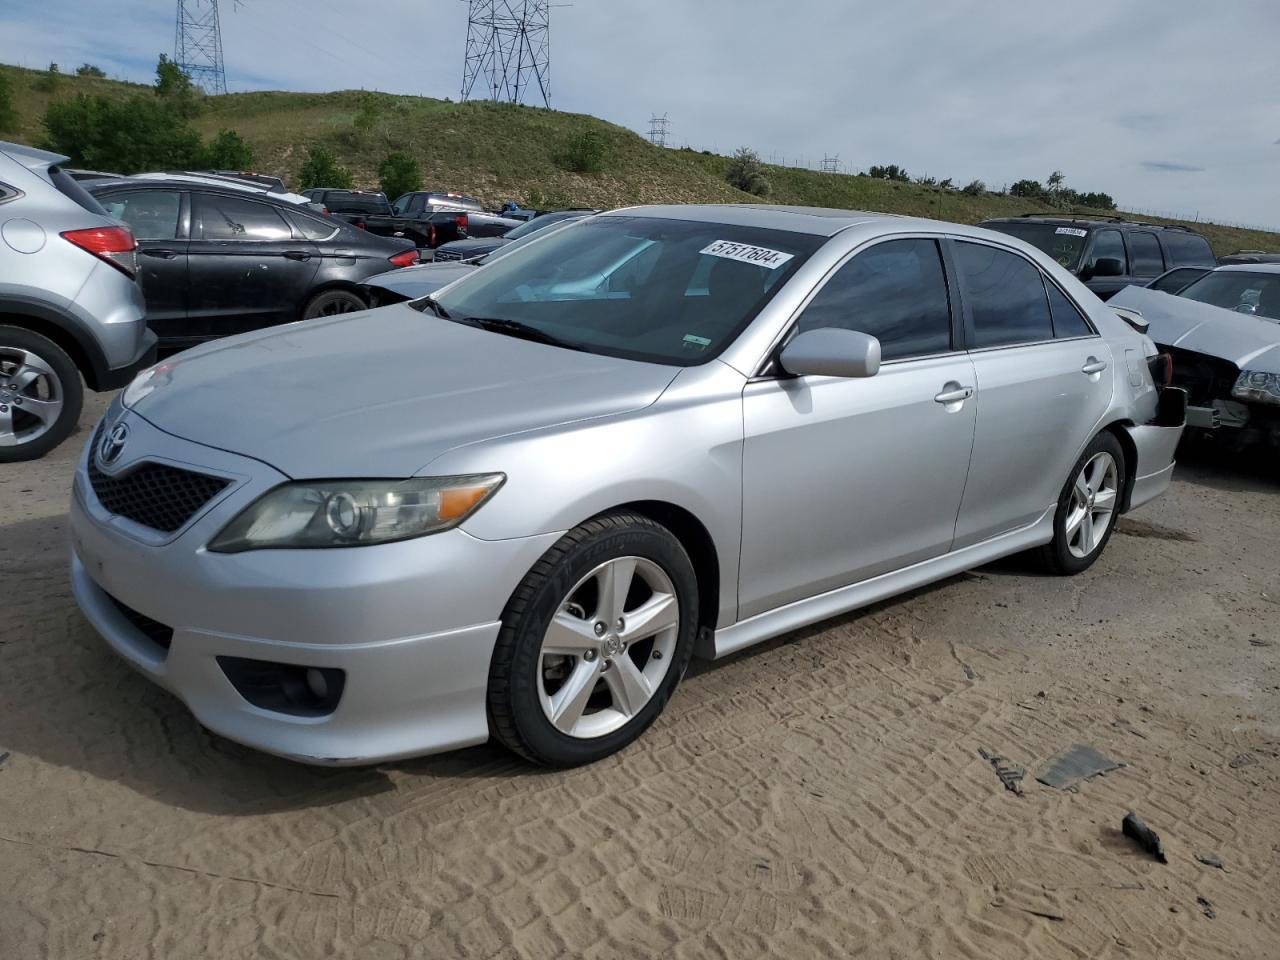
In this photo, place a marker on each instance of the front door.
(158, 219)
(1044, 380)
(248, 270)
(844, 480)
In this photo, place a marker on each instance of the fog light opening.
(290, 688)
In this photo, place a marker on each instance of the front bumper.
(412, 624)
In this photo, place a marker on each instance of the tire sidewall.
(1063, 558)
(540, 736)
(72, 391)
(311, 310)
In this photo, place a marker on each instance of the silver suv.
(70, 302)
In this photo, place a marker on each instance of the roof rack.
(1084, 218)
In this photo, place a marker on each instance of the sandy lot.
(820, 796)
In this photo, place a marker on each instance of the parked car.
(1249, 256)
(397, 286)
(1175, 280)
(477, 247)
(1109, 255)
(1223, 333)
(428, 219)
(657, 430)
(352, 206)
(479, 222)
(70, 303)
(274, 184)
(218, 180)
(219, 259)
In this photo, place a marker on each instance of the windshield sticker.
(1072, 231)
(745, 253)
(696, 341)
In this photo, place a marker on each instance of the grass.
(504, 151)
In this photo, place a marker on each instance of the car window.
(1006, 296)
(1068, 321)
(150, 214)
(1144, 253)
(1176, 279)
(1244, 291)
(1109, 243)
(1063, 243)
(1182, 247)
(313, 228)
(895, 291)
(233, 218)
(621, 286)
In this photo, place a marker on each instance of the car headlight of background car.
(1257, 386)
(355, 513)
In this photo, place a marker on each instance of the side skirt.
(801, 613)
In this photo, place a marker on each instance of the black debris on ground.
(1207, 907)
(1242, 760)
(1081, 762)
(1010, 774)
(1144, 836)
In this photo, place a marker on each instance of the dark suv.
(1109, 254)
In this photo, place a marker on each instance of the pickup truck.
(428, 218)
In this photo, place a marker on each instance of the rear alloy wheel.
(594, 641)
(40, 395)
(1087, 508)
(333, 303)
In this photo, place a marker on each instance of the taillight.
(431, 235)
(115, 245)
(1161, 367)
(406, 259)
(463, 223)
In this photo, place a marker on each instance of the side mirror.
(1108, 267)
(831, 352)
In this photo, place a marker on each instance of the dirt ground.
(820, 796)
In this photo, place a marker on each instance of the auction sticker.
(1072, 231)
(745, 253)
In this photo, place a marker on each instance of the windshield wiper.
(434, 305)
(514, 328)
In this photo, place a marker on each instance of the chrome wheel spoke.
(1074, 520)
(629, 686)
(45, 411)
(569, 636)
(7, 439)
(660, 612)
(1086, 532)
(615, 584)
(568, 703)
(1082, 487)
(1104, 501)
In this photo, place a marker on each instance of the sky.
(1168, 105)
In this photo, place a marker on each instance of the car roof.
(1248, 268)
(30, 157)
(1098, 221)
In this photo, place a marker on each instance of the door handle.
(160, 254)
(1093, 365)
(953, 393)
(296, 255)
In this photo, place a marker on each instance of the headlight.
(355, 513)
(148, 381)
(1257, 386)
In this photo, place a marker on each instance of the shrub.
(747, 173)
(946, 184)
(49, 81)
(1098, 201)
(8, 116)
(228, 151)
(399, 174)
(127, 136)
(320, 169)
(889, 172)
(89, 70)
(584, 153)
(175, 88)
(1027, 188)
(371, 109)
(974, 188)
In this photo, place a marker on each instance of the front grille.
(153, 630)
(152, 494)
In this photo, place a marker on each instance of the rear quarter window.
(1186, 249)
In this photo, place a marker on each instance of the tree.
(974, 188)
(128, 136)
(747, 173)
(946, 184)
(175, 87)
(228, 151)
(320, 169)
(889, 172)
(399, 174)
(89, 70)
(8, 116)
(1027, 188)
(1098, 201)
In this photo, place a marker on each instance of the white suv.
(70, 302)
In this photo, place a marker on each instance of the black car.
(1109, 254)
(221, 260)
(479, 246)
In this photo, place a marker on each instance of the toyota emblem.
(112, 444)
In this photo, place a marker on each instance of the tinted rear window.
(71, 189)
(355, 203)
(1186, 248)
(1062, 242)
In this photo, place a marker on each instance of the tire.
(529, 682)
(332, 303)
(40, 395)
(1097, 478)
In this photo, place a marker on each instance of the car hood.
(415, 282)
(475, 247)
(1250, 342)
(382, 393)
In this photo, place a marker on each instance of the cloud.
(1169, 166)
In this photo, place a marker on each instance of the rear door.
(1146, 262)
(1044, 381)
(249, 267)
(159, 220)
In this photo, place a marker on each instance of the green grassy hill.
(500, 151)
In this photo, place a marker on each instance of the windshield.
(667, 291)
(1239, 290)
(1064, 244)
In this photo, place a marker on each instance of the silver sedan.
(518, 508)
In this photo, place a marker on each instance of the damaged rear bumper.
(1156, 443)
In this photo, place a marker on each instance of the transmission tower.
(658, 130)
(508, 49)
(830, 164)
(197, 45)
